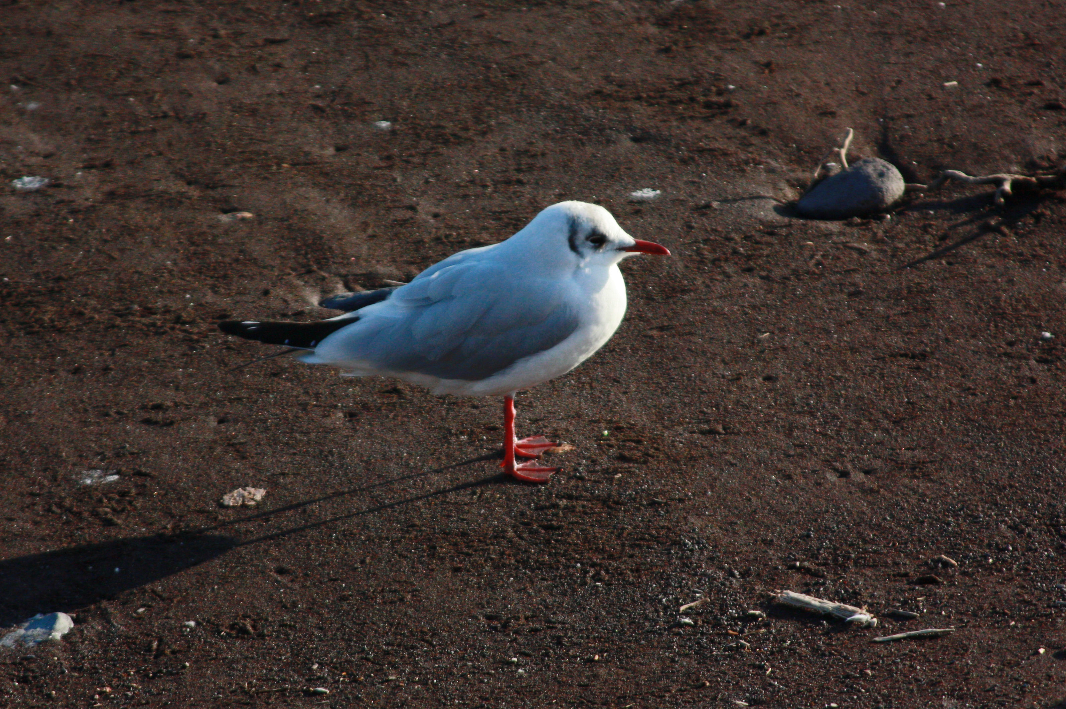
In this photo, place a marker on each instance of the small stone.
(243, 496)
(754, 615)
(319, 690)
(928, 580)
(943, 562)
(685, 620)
(38, 629)
(1045, 336)
(903, 615)
(383, 125)
(30, 184)
(867, 187)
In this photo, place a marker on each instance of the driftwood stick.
(844, 148)
(927, 633)
(849, 614)
(841, 153)
(1004, 181)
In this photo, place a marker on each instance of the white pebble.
(1046, 336)
(383, 125)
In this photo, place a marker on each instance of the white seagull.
(488, 321)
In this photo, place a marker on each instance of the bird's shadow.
(79, 576)
(75, 577)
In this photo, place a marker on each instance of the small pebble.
(867, 187)
(685, 620)
(383, 125)
(190, 624)
(319, 690)
(944, 562)
(1045, 336)
(905, 615)
(928, 580)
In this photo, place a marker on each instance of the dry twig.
(841, 153)
(695, 604)
(927, 633)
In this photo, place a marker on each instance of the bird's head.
(580, 234)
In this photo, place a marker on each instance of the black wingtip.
(304, 336)
(241, 328)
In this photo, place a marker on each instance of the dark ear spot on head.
(574, 235)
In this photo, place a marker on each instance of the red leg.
(530, 472)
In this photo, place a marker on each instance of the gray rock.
(867, 187)
(37, 630)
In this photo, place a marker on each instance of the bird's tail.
(304, 336)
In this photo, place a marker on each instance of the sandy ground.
(783, 408)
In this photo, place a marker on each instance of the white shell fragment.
(867, 187)
(30, 184)
(97, 477)
(383, 125)
(38, 629)
(645, 194)
(243, 496)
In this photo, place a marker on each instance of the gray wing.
(466, 320)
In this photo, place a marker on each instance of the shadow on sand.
(79, 576)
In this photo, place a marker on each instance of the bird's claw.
(533, 446)
(530, 472)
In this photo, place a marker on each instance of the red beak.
(648, 247)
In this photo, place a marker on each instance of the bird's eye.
(597, 239)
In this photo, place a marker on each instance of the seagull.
(488, 321)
